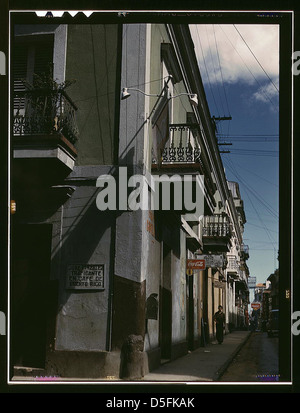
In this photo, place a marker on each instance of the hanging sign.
(195, 264)
(213, 261)
(251, 282)
(255, 306)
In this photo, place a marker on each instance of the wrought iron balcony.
(216, 226)
(216, 233)
(181, 150)
(232, 265)
(44, 112)
(181, 154)
(245, 251)
(44, 129)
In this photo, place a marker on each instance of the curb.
(224, 367)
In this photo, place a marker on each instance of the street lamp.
(192, 96)
(161, 111)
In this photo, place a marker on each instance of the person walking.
(219, 319)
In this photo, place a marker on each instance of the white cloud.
(223, 55)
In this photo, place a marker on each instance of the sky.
(239, 65)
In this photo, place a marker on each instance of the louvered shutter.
(20, 61)
(28, 59)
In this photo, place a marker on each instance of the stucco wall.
(92, 60)
(82, 236)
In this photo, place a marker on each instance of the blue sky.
(240, 70)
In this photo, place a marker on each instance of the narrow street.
(256, 362)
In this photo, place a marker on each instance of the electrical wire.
(248, 188)
(258, 176)
(270, 135)
(214, 69)
(270, 100)
(258, 226)
(208, 78)
(256, 58)
(250, 152)
(221, 72)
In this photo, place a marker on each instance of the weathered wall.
(84, 237)
(179, 293)
(92, 60)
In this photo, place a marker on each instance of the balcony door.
(29, 58)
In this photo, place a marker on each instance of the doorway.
(190, 311)
(166, 306)
(30, 297)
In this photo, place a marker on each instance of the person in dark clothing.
(219, 319)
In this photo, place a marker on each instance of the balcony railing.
(245, 251)
(232, 264)
(44, 112)
(243, 277)
(216, 226)
(181, 154)
(180, 149)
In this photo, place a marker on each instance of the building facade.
(98, 267)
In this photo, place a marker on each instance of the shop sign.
(255, 306)
(85, 277)
(251, 282)
(193, 264)
(213, 261)
(219, 284)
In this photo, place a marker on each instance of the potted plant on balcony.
(47, 109)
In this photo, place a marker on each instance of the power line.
(258, 226)
(270, 100)
(256, 58)
(221, 72)
(212, 60)
(213, 65)
(204, 61)
(248, 188)
(251, 140)
(259, 217)
(263, 135)
(250, 152)
(253, 173)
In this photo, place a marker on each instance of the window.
(29, 57)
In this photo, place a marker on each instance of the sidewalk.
(204, 364)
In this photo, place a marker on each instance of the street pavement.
(204, 364)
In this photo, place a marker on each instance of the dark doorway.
(166, 306)
(190, 311)
(205, 325)
(30, 300)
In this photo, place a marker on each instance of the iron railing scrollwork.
(40, 111)
(216, 226)
(180, 149)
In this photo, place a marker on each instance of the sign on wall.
(212, 261)
(85, 277)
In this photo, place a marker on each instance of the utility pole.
(218, 119)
